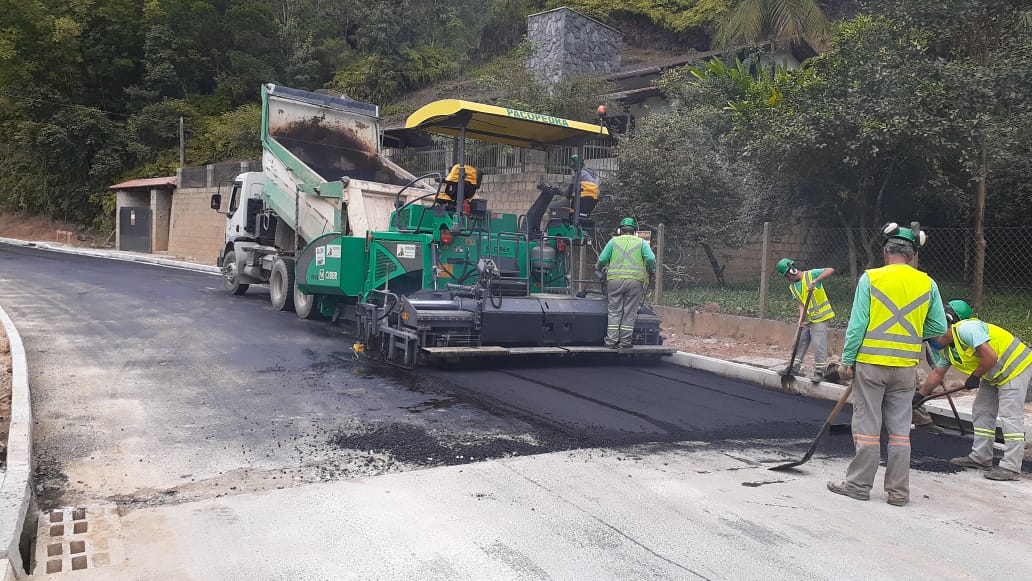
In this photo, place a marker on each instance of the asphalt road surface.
(152, 388)
(151, 385)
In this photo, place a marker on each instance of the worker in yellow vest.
(585, 187)
(629, 262)
(999, 365)
(813, 321)
(895, 308)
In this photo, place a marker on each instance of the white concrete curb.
(114, 255)
(15, 490)
(772, 380)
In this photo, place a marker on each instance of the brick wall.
(195, 230)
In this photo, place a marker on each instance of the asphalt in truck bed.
(153, 386)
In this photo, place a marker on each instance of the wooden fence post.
(764, 275)
(659, 265)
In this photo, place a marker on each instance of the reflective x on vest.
(881, 344)
(1012, 356)
(626, 261)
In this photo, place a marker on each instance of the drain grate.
(72, 539)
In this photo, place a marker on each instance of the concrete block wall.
(195, 230)
(514, 193)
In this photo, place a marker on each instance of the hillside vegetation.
(91, 91)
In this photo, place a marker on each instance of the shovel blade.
(809, 453)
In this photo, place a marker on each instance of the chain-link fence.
(695, 276)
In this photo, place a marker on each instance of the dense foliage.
(91, 91)
(917, 111)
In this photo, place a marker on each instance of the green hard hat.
(894, 230)
(628, 223)
(960, 308)
(784, 265)
(575, 160)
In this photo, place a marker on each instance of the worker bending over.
(999, 365)
(630, 262)
(813, 320)
(894, 309)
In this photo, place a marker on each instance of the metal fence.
(206, 176)
(491, 158)
(948, 257)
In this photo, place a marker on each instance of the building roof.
(146, 184)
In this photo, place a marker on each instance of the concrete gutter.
(114, 255)
(15, 490)
(772, 380)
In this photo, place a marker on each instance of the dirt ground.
(5, 395)
(44, 229)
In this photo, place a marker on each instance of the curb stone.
(114, 255)
(772, 380)
(15, 490)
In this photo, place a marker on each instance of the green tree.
(976, 40)
(776, 21)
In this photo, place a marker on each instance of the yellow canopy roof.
(500, 125)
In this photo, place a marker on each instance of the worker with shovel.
(895, 308)
(999, 365)
(813, 315)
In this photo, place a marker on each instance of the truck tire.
(281, 284)
(305, 305)
(230, 279)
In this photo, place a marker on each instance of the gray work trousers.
(1007, 401)
(882, 394)
(818, 333)
(625, 296)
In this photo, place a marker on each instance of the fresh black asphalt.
(216, 383)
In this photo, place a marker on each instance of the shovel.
(824, 430)
(786, 374)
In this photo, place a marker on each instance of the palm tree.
(774, 21)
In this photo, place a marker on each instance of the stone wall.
(195, 230)
(568, 43)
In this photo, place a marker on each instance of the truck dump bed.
(313, 146)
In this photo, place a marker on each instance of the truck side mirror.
(216, 202)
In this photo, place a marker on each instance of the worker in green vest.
(999, 365)
(813, 321)
(895, 308)
(629, 262)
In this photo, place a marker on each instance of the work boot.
(818, 376)
(797, 368)
(897, 500)
(969, 462)
(1001, 473)
(845, 489)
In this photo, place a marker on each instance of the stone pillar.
(568, 43)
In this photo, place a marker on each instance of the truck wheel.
(230, 279)
(281, 284)
(305, 305)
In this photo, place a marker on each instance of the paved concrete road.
(223, 440)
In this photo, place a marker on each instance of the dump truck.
(419, 265)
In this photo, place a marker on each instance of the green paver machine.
(448, 278)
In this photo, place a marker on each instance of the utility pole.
(182, 144)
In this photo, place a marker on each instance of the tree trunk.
(718, 271)
(979, 274)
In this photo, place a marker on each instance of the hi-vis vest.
(900, 299)
(1012, 355)
(626, 260)
(819, 309)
